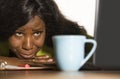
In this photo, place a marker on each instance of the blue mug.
(70, 51)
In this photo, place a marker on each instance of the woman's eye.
(19, 34)
(37, 33)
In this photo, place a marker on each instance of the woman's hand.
(43, 59)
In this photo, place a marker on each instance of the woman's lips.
(27, 55)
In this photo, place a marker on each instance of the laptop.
(107, 34)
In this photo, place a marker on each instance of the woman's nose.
(28, 44)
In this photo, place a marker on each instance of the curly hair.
(16, 13)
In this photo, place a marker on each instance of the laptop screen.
(107, 34)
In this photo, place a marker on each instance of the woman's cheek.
(40, 42)
(14, 43)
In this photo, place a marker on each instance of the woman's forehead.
(36, 22)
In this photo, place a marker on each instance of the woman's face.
(28, 39)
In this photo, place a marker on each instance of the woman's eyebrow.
(36, 29)
(20, 29)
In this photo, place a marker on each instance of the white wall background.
(81, 11)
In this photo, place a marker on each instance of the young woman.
(26, 28)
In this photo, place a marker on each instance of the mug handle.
(91, 52)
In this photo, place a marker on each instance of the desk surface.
(53, 74)
(59, 75)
